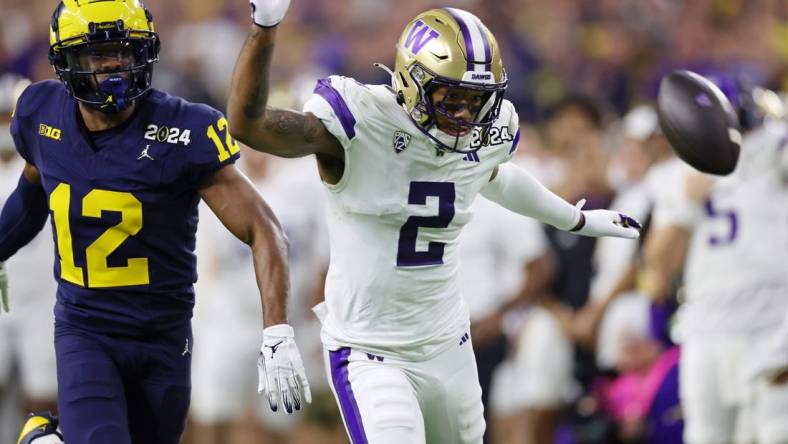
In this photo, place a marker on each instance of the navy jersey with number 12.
(123, 203)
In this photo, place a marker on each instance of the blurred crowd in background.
(583, 75)
(614, 49)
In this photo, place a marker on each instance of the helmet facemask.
(107, 68)
(458, 112)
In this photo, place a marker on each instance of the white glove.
(280, 369)
(599, 223)
(3, 288)
(268, 13)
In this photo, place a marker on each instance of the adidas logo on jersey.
(473, 156)
(401, 141)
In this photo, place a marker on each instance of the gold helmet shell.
(449, 47)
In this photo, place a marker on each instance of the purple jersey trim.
(325, 90)
(515, 142)
(486, 41)
(347, 402)
(466, 35)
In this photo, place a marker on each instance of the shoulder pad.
(179, 111)
(345, 96)
(510, 115)
(35, 95)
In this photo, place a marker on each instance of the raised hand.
(268, 13)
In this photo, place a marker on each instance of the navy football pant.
(123, 389)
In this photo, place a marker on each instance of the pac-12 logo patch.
(401, 141)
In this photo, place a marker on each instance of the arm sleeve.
(23, 216)
(516, 190)
(16, 130)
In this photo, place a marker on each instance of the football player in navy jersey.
(121, 168)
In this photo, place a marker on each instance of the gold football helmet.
(443, 54)
(104, 51)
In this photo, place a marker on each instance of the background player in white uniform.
(27, 352)
(226, 323)
(394, 324)
(735, 290)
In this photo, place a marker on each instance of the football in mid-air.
(699, 122)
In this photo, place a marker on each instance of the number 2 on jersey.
(99, 274)
(407, 256)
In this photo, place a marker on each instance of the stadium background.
(608, 54)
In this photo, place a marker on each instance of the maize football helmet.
(40, 428)
(443, 53)
(104, 51)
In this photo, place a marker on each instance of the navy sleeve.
(23, 216)
(212, 148)
(24, 127)
(17, 132)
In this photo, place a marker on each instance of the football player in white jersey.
(399, 190)
(735, 292)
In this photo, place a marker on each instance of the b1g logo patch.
(49, 131)
(168, 134)
(401, 141)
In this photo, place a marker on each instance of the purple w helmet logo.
(419, 35)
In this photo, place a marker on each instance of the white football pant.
(721, 402)
(388, 401)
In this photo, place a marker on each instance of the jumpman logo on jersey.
(145, 154)
(186, 348)
(274, 347)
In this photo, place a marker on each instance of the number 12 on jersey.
(229, 147)
(407, 256)
(99, 274)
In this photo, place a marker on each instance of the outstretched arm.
(514, 189)
(281, 132)
(23, 216)
(243, 211)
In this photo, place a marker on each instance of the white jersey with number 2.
(394, 219)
